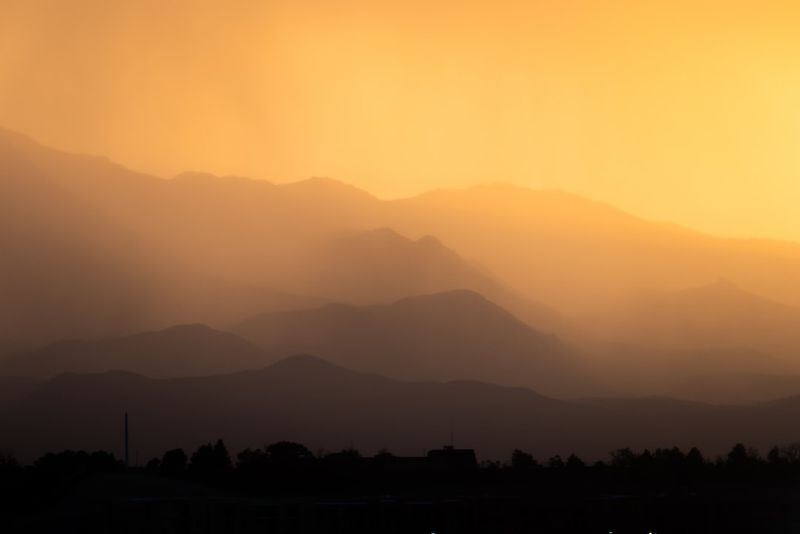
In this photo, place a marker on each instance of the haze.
(371, 222)
(260, 260)
(675, 111)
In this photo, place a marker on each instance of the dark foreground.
(286, 489)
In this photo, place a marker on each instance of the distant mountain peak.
(112, 377)
(450, 335)
(462, 300)
(196, 176)
(429, 241)
(720, 287)
(321, 182)
(11, 136)
(724, 283)
(389, 237)
(465, 296)
(181, 350)
(385, 233)
(325, 180)
(207, 178)
(188, 328)
(303, 360)
(327, 186)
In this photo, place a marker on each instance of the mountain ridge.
(180, 350)
(338, 408)
(458, 334)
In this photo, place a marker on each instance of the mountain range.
(79, 227)
(445, 336)
(184, 350)
(382, 266)
(587, 294)
(324, 406)
(713, 316)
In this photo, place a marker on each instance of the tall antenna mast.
(452, 440)
(126, 439)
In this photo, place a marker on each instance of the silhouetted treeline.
(561, 493)
(286, 468)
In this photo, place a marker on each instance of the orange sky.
(678, 110)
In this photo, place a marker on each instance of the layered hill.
(92, 249)
(185, 350)
(581, 256)
(382, 266)
(324, 406)
(65, 268)
(719, 315)
(444, 336)
(14, 388)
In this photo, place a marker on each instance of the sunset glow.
(673, 110)
(399, 266)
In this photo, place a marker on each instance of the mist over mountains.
(182, 290)
(381, 266)
(248, 243)
(444, 336)
(716, 315)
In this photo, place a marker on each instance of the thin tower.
(126, 439)
(452, 439)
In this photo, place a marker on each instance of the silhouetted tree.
(173, 463)
(8, 463)
(573, 462)
(289, 470)
(153, 466)
(251, 459)
(623, 459)
(210, 461)
(669, 457)
(742, 464)
(791, 453)
(384, 455)
(694, 459)
(287, 452)
(522, 460)
(774, 457)
(344, 457)
(740, 456)
(221, 455)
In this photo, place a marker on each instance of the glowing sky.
(686, 111)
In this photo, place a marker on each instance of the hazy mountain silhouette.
(444, 336)
(719, 315)
(185, 350)
(65, 267)
(92, 249)
(14, 388)
(581, 255)
(307, 400)
(735, 388)
(382, 265)
(559, 248)
(715, 375)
